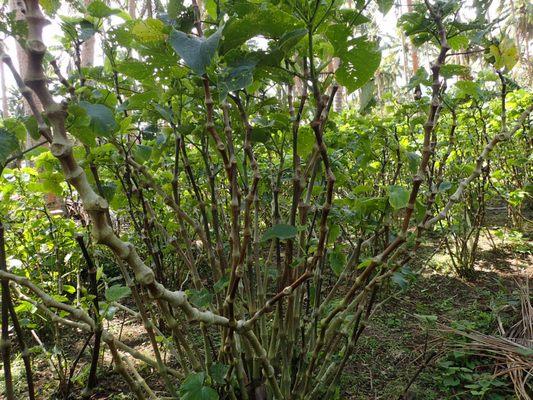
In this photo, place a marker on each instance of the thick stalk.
(93, 286)
(5, 343)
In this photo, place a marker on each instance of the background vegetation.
(266, 199)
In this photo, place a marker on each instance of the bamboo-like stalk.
(302, 336)
(91, 269)
(95, 205)
(80, 319)
(24, 351)
(5, 342)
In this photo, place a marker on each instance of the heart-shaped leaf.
(280, 231)
(398, 197)
(195, 51)
(117, 292)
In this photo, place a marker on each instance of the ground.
(398, 342)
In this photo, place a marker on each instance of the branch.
(27, 93)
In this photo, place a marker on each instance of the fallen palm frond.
(511, 350)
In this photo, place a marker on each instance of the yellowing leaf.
(505, 54)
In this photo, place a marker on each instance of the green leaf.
(196, 52)
(365, 263)
(359, 57)
(458, 42)
(337, 261)
(427, 319)
(194, 388)
(16, 128)
(8, 145)
(218, 371)
(290, 39)
(50, 6)
(108, 311)
(69, 289)
(174, 8)
(31, 126)
(117, 292)
(334, 232)
(201, 298)
(385, 5)
(306, 141)
(236, 77)
(221, 284)
(138, 101)
(413, 160)
(366, 98)
(134, 69)
(102, 120)
(254, 20)
(420, 77)
(143, 153)
(79, 125)
(260, 134)
(99, 9)
(444, 186)
(165, 112)
(398, 197)
(149, 30)
(86, 31)
(109, 189)
(449, 70)
(399, 279)
(280, 231)
(468, 88)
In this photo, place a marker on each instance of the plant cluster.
(209, 189)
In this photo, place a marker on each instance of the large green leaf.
(194, 388)
(366, 97)
(254, 20)
(306, 141)
(79, 125)
(8, 145)
(50, 6)
(337, 261)
(359, 57)
(149, 30)
(142, 153)
(200, 298)
(449, 70)
(102, 120)
(99, 9)
(117, 292)
(398, 196)
(385, 5)
(196, 52)
(218, 372)
(505, 54)
(134, 69)
(236, 77)
(468, 88)
(279, 231)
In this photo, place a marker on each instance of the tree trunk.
(87, 48)
(3, 92)
(414, 51)
(132, 9)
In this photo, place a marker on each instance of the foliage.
(248, 224)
